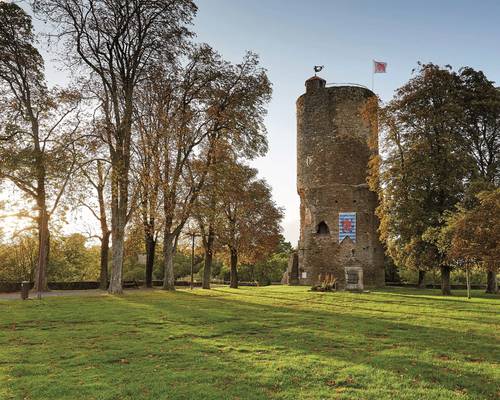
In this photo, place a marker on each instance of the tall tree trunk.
(119, 204)
(421, 279)
(491, 282)
(234, 269)
(43, 249)
(149, 197)
(445, 280)
(43, 215)
(168, 260)
(150, 243)
(105, 232)
(103, 277)
(117, 244)
(209, 252)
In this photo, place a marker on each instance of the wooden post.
(192, 260)
(467, 280)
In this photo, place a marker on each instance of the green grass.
(252, 343)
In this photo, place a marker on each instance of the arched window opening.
(323, 228)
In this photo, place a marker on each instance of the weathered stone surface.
(354, 278)
(332, 167)
(291, 275)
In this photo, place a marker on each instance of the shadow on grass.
(318, 329)
(458, 296)
(216, 344)
(354, 303)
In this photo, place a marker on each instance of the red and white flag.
(379, 67)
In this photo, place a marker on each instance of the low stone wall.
(10, 287)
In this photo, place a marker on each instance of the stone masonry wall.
(332, 164)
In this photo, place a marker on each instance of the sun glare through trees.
(249, 200)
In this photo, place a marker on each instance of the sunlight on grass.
(252, 343)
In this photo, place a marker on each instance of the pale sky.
(292, 36)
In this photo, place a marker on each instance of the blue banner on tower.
(347, 226)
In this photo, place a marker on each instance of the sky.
(292, 36)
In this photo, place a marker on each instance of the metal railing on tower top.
(346, 84)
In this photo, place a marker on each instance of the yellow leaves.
(475, 234)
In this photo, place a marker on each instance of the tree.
(97, 173)
(251, 229)
(474, 235)
(186, 112)
(425, 168)
(37, 127)
(173, 124)
(19, 257)
(481, 130)
(71, 260)
(117, 41)
(480, 103)
(208, 209)
(148, 114)
(269, 269)
(242, 135)
(208, 215)
(232, 112)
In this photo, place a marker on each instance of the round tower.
(338, 226)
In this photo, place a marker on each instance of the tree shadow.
(353, 303)
(425, 294)
(237, 340)
(280, 325)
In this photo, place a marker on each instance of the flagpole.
(379, 67)
(373, 75)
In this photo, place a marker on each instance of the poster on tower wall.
(347, 226)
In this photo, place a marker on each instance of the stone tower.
(338, 226)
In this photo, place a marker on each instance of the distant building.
(338, 225)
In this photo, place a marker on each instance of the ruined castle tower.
(338, 226)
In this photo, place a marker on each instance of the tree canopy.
(440, 141)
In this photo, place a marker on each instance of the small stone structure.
(291, 275)
(338, 225)
(354, 278)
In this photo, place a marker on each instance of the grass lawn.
(274, 342)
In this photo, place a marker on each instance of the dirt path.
(57, 293)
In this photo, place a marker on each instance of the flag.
(379, 67)
(347, 226)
